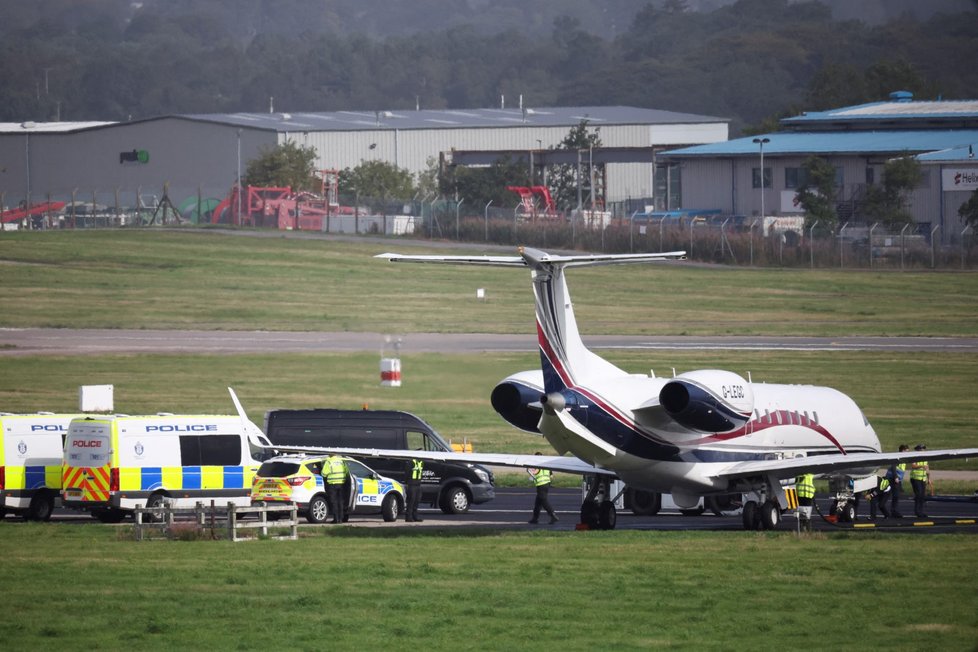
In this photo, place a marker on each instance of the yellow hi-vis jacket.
(541, 477)
(336, 470)
(805, 485)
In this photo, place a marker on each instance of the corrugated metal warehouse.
(208, 152)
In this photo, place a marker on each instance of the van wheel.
(109, 515)
(41, 507)
(390, 508)
(455, 501)
(318, 510)
(154, 501)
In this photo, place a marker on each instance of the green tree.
(377, 179)
(969, 210)
(479, 186)
(563, 179)
(887, 202)
(284, 165)
(817, 193)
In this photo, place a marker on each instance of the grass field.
(211, 280)
(71, 587)
(88, 587)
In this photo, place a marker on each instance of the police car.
(296, 479)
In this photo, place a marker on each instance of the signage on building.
(959, 179)
(790, 202)
(134, 156)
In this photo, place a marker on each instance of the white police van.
(30, 463)
(114, 463)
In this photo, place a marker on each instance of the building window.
(756, 177)
(870, 176)
(795, 178)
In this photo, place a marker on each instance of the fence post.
(486, 213)
(871, 229)
(138, 517)
(903, 232)
(933, 260)
(811, 243)
(842, 234)
(232, 521)
(963, 231)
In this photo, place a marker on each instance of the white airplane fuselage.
(657, 454)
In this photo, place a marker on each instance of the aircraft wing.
(552, 462)
(826, 464)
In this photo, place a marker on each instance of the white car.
(296, 479)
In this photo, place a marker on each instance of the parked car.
(297, 479)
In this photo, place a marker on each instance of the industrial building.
(725, 177)
(120, 164)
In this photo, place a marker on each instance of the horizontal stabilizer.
(535, 258)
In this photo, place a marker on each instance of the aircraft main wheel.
(589, 514)
(770, 515)
(607, 515)
(645, 503)
(750, 515)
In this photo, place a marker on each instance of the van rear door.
(87, 462)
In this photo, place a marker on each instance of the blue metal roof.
(452, 118)
(891, 111)
(964, 153)
(835, 142)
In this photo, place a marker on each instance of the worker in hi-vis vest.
(541, 480)
(336, 474)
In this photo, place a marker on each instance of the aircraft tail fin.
(564, 358)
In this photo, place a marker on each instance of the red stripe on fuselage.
(625, 421)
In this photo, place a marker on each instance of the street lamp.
(760, 142)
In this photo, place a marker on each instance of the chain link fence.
(621, 228)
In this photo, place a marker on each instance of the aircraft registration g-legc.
(698, 434)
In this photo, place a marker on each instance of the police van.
(112, 464)
(30, 463)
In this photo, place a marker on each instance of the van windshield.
(423, 441)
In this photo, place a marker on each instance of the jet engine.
(517, 399)
(708, 400)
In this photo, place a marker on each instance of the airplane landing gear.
(598, 510)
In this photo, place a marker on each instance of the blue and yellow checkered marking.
(190, 478)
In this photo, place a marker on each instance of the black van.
(452, 486)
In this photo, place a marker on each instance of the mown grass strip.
(213, 280)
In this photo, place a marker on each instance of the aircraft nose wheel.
(599, 516)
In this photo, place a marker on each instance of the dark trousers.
(542, 501)
(879, 500)
(895, 490)
(919, 496)
(337, 506)
(413, 498)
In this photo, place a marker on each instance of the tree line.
(749, 61)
